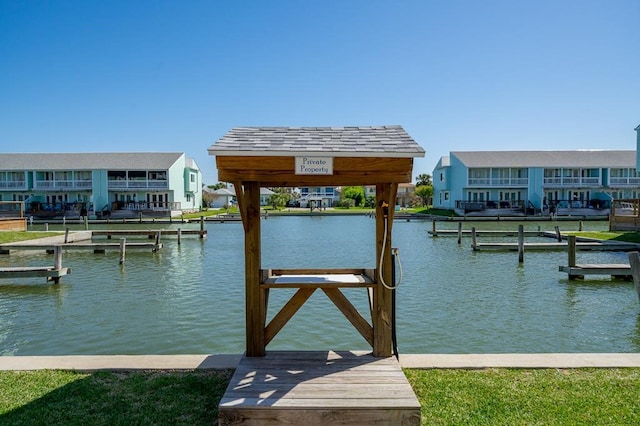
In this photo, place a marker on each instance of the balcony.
(63, 185)
(571, 181)
(624, 181)
(134, 184)
(13, 184)
(499, 182)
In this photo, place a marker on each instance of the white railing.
(498, 181)
(13, 184)
(624, 181)
(571, 181)
(137, 184)
(63, 184)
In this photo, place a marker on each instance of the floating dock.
(49, 272)
(319, 388)
(616, 270)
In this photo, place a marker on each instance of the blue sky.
(120, 76)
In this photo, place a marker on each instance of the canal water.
(189, 298)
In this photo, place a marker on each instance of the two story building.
(101, 184)
(529, 182)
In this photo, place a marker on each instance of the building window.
(192, 177)
(441, 177)
(446, 196)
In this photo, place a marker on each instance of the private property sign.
(314, 165)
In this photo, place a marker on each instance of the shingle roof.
(578, 158)
(89, 161)
(369, 141)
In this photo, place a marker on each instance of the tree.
(356, 193)
(279, 198)
(218, 185)
(425, 192)
(424, 179)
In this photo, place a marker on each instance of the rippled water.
(190, 298)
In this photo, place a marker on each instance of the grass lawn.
(448, 397)
(626, 236)
(15, 236)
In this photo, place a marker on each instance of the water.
(190, 298)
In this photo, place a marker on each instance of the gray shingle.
(366, 141)
(89, 161)
(577, 158)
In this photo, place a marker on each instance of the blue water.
(189, 298)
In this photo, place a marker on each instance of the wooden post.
(571, 250)
(66, 235)
(57, 258)
(123, 249)
(558, 234)
(46, 227)
(86, 223)
(385, 194)
(459, 232)
(634, 261)
(158, 237)
(201, 226)
(520, 243)
(433, 228)
(179, 236)
(474, 238)
(248, 196)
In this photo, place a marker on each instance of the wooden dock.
(489, 233)
(319, 388)
(150, 233)
(584, 245)
(616, 270)
(49, 272)
(96, 247)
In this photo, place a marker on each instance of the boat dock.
(319, 387)
(150, 233)
(616, 270)
(584, 245)
(51, 273)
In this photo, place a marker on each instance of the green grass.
(626, 236)
(15, 236)
(111, 398)
(447, 397)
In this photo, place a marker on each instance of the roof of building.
(90, 161)
(577, 158)
(362, 141)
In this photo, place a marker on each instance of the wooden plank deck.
(454, 233)
(151, 233)
(49, 272)
(620, 270)
(6, 248)
(319, 388)
(602, 246)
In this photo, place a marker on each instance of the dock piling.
(179, 236)
(459, 232)
(634, 260)
(123, 249)
(474, 238)
(558, 234)
(520, 243)
(571, 250)
(66, 235)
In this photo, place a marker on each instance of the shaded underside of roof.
(89, 161)
(577, 158)
(361, 141)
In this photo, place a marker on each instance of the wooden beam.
(351, 313)
(249, 200)
(286, 313)
(279, 171)
(381, 318)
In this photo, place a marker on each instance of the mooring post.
(580, 226)
(634, 260)
(520, 243)
(558, 234)
(123, 249)
(433, 228)
(57, 258)
(86, 223)
(179, 236)
(158, 237)
(66, 235)
(201, 226)
(474, 240)
(46, 227)
(571, 250)
(459, 232)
